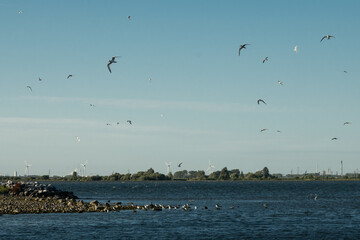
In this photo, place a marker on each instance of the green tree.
(224, 174)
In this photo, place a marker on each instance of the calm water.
(292, 212)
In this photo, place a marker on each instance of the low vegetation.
(184, 175)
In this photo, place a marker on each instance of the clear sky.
(201, 102)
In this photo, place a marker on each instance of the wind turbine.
(168, 164)
(84, 168)
(210, 168)
(27, 168)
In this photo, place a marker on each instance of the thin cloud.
(156, 104)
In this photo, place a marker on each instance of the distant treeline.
(151, 175)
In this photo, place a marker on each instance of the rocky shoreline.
(35, 198)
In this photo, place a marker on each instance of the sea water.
(293, 210)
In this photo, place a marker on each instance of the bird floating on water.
(20, 12)
(264, 129)
(265, 59)
(129, 18)
(92, 105)
(327, 37)
(260, 100)
(346, 123)
(111, 61)
(345, 71)
(40, 79)
(243, 46)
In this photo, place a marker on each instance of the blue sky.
(201, 102)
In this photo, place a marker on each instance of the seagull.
(20, 12)
(92, 105)
(69, 76)
(327, 36)
(179, 164)
(260, 100)
(264, 129)
(149, 79)
(346, 123)
(334, 138)
(108, 124)
(280, 82)
(296, 49)
(111, 61)
(265, 59)
(265, 205)
(316, 197)
(77, 138)
(29, 88)
(243, 46)
(129, 121)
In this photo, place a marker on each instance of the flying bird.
(29, 88)
(149, 79)
(264, 129)
(129, 121)
(108, 124)
(346, 123)
(111, 61)
(129, 18)
(334, 138)
(40, 79)
(278, 131)
(20, 12)
(243, 46)
(280, 82)
(327, 36)
(77, 138)
(69, 76)
(179, 164)
(260, 100)
(265, 59)
(92, 105)
(296, 49)
(345, 71)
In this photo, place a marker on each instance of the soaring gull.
(129, 121)
(265, 59)
(69, 76)
(243, 46)
(29, 88)
(111, 61)
(260, 100)
(296, 49)
(327, 37)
